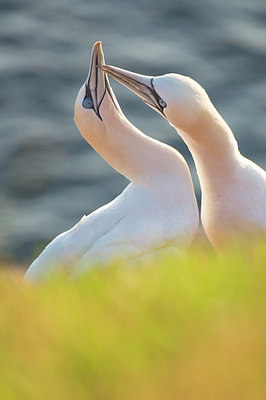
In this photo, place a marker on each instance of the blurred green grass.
(166, 329)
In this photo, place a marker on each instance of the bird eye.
(87, 103)
(162, 103)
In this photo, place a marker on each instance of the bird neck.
(141, 159)
(214, 149)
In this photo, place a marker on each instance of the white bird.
(157, 209)
(233, 187)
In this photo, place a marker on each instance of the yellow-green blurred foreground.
(189, 329)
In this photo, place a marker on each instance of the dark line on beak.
(131, 81)
(160, 108)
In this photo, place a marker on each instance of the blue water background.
(49, 176)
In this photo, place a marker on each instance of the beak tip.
(98, 43)
(97, 47)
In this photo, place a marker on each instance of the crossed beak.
(141, 85)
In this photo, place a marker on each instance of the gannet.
(157, 209)
(233, 187)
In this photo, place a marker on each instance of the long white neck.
(138, 157)
(214, 150)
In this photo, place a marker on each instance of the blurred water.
(49, 177)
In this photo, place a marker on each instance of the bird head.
(96, 103)
(179, 99)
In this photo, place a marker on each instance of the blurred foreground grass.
(167, 329)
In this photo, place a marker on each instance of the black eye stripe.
(160, 101)
(87, 92)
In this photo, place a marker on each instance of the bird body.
(233, 187)
(234, 205)
(157, 209)
(136, 222)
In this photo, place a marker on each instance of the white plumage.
(233, 187)
(157, 209)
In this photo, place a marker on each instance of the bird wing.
(74, 243)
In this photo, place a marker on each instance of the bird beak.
(97, 83)
(141, 85)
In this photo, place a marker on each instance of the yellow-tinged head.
(181, 100)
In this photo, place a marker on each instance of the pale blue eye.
(162, 103)
(87, 103)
